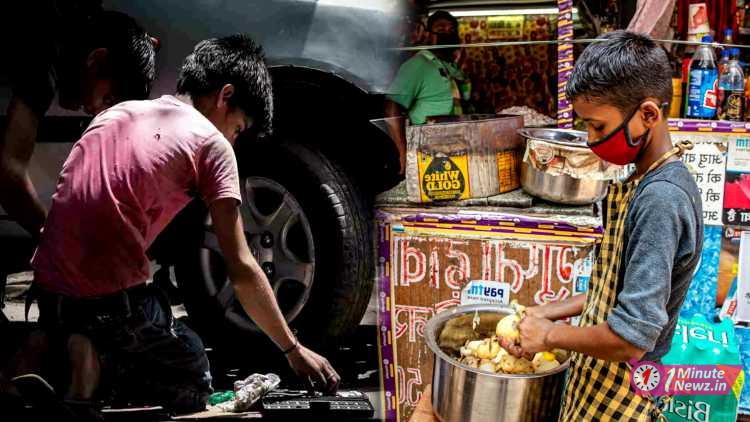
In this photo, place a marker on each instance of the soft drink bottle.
(732, 90)
(703, 82)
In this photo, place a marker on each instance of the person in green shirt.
(428, 84)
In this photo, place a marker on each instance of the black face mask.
(447, 38)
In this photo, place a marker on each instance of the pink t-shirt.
(136, 166)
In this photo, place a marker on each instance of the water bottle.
(703, 83)
(728, 36)
(732, 90)
(723, 61)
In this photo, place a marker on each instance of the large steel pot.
(461, 393)
(560, 187)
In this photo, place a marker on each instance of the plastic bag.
(248, 391)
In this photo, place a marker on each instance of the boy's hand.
(514, 349)
(316, 368)
(537, 311)
(424, 412)
(534, 333)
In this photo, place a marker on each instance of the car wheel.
(310, 231)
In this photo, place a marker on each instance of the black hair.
(622, 71)
(235, 60)
(131, 53)
(441, 14)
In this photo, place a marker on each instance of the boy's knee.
(81, 351)
(80, 344)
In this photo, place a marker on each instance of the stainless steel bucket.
(461, 393)
(560, 188)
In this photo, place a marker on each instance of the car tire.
(326, 235)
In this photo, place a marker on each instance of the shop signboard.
(505, 27)
(427, 261)
(706, 161)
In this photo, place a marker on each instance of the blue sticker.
(701, 296)
(582, 284)
(585, 268)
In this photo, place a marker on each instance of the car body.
(331, 61)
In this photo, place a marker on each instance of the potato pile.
(487, 353)
(489, 356)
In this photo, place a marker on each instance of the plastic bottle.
(728, 36)
(724, 60)
(732, 90)
(703, 83)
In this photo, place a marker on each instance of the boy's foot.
(34, 389)
(41, 397)
(11, 401)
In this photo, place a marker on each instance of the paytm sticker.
(582, 284)
(485, 292)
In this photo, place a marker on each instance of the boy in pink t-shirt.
(136, 166)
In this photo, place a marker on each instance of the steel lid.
(564, 137)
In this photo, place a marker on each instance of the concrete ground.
(355, 358)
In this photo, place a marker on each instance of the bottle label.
(732, 105)
(703, 93)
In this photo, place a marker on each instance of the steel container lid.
(563, 137)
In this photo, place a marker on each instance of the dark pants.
(16, 249)
(159, 360)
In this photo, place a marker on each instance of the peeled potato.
(487, 365)
(517, 308)
(488, 349)
(507, 328)
(544, 361)
(473, 346)
(471, 361)
(560, 355)
(492, 354)
(513, 365)
(500, 354)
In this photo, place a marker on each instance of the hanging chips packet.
(699, 342)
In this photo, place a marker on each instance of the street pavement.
(354, 357)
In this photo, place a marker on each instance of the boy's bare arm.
(19, 198)
(254, 292)
(567, 308)
(397, 130)
(599, 341)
